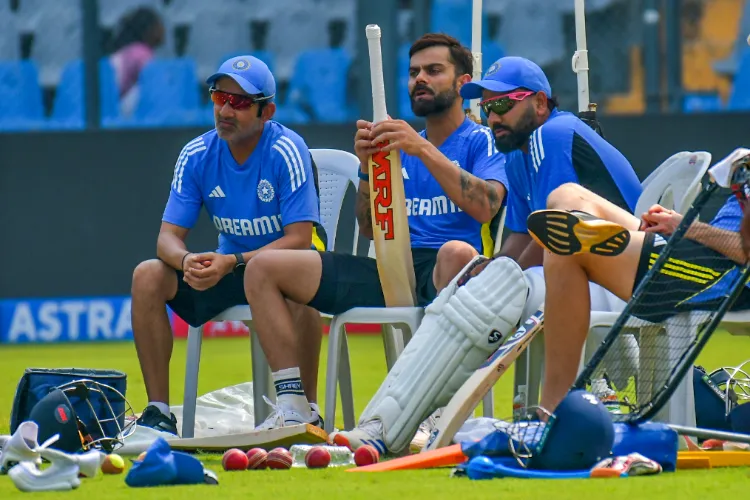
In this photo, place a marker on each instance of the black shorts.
(349, 281)
(691, 270)
(197, 308)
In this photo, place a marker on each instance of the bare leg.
(452, 257)
(270, 278)
(576, 197)
(567, 301)
(154, 283)
(309, 331)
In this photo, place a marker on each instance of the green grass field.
(226, 362)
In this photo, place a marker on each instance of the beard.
(439, 103)
(517, 136)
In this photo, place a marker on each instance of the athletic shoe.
(573, 232)
(424, 431)
(153, 418)
(284, 417)
(368, 433)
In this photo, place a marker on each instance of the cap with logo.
(250, 73)
(507, 74)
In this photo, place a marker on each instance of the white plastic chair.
(674, 184)
(336, 169)
(398, 324)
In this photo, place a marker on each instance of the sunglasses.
(236, 101)
(504, 103)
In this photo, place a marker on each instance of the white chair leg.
(345, 383)
(262, 382)
(332, 372)
(488, 405)
(393, 344)
(192, 365)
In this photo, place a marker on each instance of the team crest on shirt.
(265, 191)
(241, 64)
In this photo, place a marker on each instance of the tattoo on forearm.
(363, 210)
(479, 191)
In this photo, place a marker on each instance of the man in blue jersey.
(545, 149)
(455, 184)
(590, 239)
(256, 180)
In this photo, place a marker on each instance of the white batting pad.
(461, 328)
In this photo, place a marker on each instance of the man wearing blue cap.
(546, 148)
(259, 186)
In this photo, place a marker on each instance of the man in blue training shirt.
(455, 185)
(256, 179)
(603, 243)
(546, 148)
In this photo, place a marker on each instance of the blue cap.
(249, 72)
(506, 74)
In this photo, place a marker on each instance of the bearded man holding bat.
(455, 185)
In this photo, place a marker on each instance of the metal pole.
(581, 57)
(91, 55)
(710, 434)
(672, 17)
(476, 50)
(651, 54)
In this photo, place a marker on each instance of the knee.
(258, 271)
(455, 255)
(562, 197)
(150, 276)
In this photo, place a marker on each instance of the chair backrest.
(336, 170)
(675, 183)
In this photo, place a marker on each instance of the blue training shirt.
(564, 149)
(433, 218)
(251, 203)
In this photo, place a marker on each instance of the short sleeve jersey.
(433, 218)
(251, 203)
(564, 150)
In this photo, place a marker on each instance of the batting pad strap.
(461, 328)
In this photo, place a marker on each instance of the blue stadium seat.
(288, 114)
(701, 103)
(454, 18)
(20, 97)
(740, 96)
(404, 101)
(319, 83)
(168, 94)
(68, 111)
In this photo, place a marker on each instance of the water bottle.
(340, 455)
(606, 395)
(519, 404)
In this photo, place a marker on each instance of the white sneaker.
(284, 417)
(423, 433)
(368, 433)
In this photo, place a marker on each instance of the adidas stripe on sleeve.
(185, 200)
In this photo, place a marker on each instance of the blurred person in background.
(138, 34)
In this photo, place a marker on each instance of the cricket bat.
(390, 226)
(481, 381)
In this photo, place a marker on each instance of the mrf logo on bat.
(382, 185)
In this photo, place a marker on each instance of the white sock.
(289, 392)
(163, 407)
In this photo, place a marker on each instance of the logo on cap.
(62, 414)
(241, 64)
(493, 69)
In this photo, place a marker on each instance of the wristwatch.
(239, 268)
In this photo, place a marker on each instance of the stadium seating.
(168, 94)
(740, 97)
(20, 96)
(68, 111)
(696, 102)
(319, 85)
